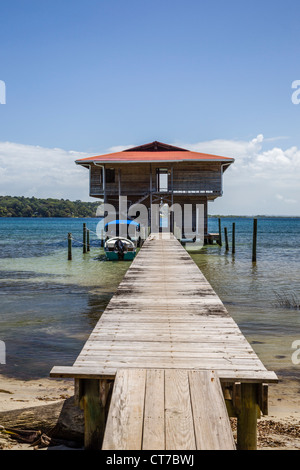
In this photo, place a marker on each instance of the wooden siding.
(184, 178)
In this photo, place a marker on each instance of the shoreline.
(279, 430)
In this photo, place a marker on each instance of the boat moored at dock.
(119, 249)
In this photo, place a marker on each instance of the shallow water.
(50, 305)
(250, 291)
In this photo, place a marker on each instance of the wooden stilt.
(247, 418)
(254, 240)
(84, 239)
(226, 239)
(87, 240)
(233, 237)
(95, 397)
(69, 246)
(220, 234)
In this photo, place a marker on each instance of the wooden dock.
(166, 316)
(167, 409)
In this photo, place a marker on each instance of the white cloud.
(228, 148)
(253, 182)
(27, 170)
(118, 148)
(284, 199)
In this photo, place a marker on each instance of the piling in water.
(226, 239)
(84, 239)
(233, 237)
(220, 234)
(87, 240)
(69, 246)
(254, 240)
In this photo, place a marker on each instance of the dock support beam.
(94, 400)
(247, 418)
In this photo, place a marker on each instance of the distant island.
(20, 206)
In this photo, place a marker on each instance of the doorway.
(162, 180)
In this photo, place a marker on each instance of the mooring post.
(233, 237)
(87, 240)
(226, 239)
(102, 239)
(69, 246)
(254, 240)
(84, 238)
(247, 418)
(220, 234)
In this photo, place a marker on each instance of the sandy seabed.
(280, 430)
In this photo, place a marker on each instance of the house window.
(162, 180)
(110, 175)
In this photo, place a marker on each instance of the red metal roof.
(154, 152)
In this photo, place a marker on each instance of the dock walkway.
(165, 315)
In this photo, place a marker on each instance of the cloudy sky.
(85, 78)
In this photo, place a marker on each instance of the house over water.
(157, 173)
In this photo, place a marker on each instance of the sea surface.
(49, 305)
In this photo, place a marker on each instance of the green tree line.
(20, 206)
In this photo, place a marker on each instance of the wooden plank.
(176, 346)
(212, 425)
(108, 372)
(178, 412)
(97, 354)
(178, 337)
(124, 426)
(168, 363)
(154, 414)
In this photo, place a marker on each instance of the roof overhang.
(155, 152)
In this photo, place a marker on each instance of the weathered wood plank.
(212, 425)
(154, 414)
(178, 412)
(127, 407)
(107, 372)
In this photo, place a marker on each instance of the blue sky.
(87, 76)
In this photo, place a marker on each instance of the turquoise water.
(50, 305)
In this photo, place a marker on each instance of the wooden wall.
(134, 179)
